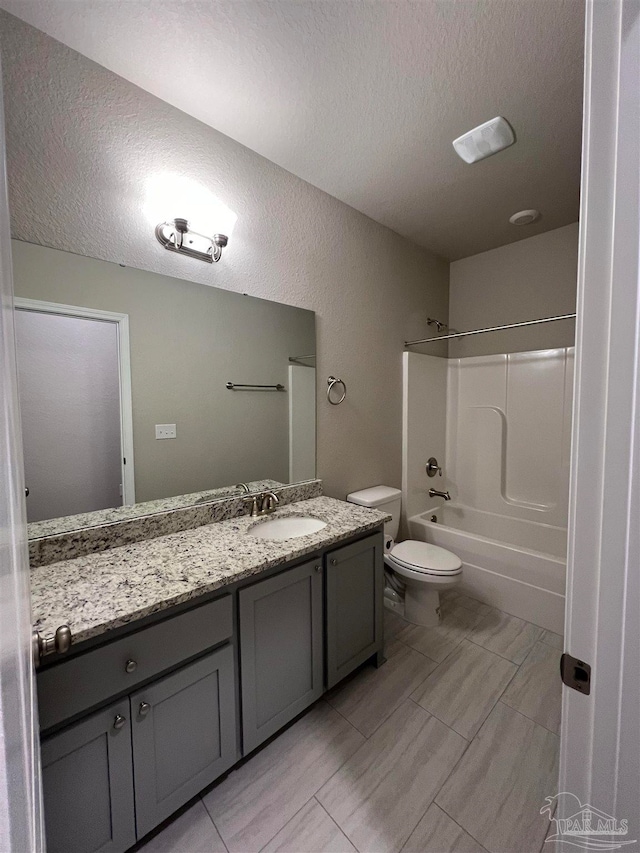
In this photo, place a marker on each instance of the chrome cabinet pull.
(119, 721)
(60, 643)
(144, 709)
(130, 666)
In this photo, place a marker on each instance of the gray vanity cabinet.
(280, 650)
(355, 581)
(184, 736)
(87, 781)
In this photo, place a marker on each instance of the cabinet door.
(280, 650)
(355, 586)
(183, 735)
(87, 781)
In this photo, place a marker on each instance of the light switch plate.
(165, 430)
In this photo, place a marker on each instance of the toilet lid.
(423, 557)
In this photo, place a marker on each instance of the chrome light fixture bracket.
(176, 236)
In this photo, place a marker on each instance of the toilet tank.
(384, 498)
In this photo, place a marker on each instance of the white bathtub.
(516, 565)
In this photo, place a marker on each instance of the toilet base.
(417, 605)
(422, 606)
(396, 607)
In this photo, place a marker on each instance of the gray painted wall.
(81, 144)
(522, 281)
(186, 341)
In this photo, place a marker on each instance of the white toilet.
(416, 571)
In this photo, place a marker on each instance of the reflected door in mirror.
(69, 398)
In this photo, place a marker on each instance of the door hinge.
(575, 673)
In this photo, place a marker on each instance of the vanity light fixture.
(176, 236)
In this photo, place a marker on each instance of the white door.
(21, 826)
(600, 743)
(69, 390)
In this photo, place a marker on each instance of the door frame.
(599, 754)
(124, 373)
(21, 812)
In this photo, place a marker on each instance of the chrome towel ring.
(331, 383)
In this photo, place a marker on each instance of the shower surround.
(505, 441)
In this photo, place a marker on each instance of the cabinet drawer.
(80, 683)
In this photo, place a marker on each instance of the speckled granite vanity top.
(98, 592)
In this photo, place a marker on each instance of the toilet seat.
(424, 558)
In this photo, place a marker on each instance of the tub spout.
(434, 493)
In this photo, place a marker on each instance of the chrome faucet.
(262, 503)
(434, 493)
(243, 487)
(269, 502)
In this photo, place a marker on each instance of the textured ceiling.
(362, 98)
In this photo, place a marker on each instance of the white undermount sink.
(286, 528)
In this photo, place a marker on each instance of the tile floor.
(451, 745)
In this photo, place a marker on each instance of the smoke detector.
(524, 217)
(484, 140)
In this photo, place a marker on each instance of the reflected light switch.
(165, 430)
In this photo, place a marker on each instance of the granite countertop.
(69, 523)
(98, 592)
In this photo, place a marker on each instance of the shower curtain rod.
(490, 329)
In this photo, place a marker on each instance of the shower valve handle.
(432, 468)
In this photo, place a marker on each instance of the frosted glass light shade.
(170, 195)
(483, 141)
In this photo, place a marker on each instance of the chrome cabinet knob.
(130, 666)
(119, 721)
(318, 568)
(144, 709)
(333, 561)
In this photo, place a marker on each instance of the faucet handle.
(432, 468)
(252, 501)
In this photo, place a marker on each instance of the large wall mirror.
(124, 382)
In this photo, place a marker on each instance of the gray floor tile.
(255, 801)
(497, 789)
(367, 699)
(536, 691)
(462, 600)
(437, 833)
(311, 830)
(463, 690)
(392, 646)
(392, 623)
(437, 643)
(191, 832)
(378, 797)
(506, 635)
(554, 640)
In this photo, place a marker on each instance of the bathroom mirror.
(137, 388)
